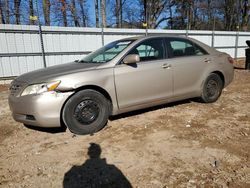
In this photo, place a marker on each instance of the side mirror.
(132, 58)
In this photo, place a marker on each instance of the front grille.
(16, 87)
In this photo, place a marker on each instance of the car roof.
(154, 36)
(204, 46)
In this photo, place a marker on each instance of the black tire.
(86, 112)
(212, 88)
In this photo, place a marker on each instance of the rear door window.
(182, 47)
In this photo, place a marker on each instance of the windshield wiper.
(97, 62)
(81, 61)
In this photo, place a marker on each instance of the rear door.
(189, 62)
(146, 81)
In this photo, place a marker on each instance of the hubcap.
(212, 88)
(86, 112)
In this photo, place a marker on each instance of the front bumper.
(41, 110)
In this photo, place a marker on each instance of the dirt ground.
(184, 144)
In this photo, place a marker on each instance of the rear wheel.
(86, 112)
(212, 88)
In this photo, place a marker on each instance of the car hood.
(51, 73)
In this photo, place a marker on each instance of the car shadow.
(95, 173)
(52, 130)
(240, 68)
(142, 111)
(115, 117)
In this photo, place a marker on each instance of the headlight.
(40, 88)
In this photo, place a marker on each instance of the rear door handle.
(207, 60)
(166, 65)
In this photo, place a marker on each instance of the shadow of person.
(95, 173)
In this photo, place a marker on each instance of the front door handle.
(166, 65)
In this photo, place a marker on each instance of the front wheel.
(212, 88)
(86, 112)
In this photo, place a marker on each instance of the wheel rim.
(212, 88)
(86, 112)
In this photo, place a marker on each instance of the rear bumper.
(41, 110)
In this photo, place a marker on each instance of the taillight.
(231, 60)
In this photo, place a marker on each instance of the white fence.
(21, 52)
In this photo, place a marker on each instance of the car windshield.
(107, 52)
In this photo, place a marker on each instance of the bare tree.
(7, 9)
(73, 12)
(152, 11)
(31, 12)
(230, 14)
(209, 12)
(46, 11)
(17, 10)
(174, 14)
(103, 11)
(64, 12)
(245, 8)
(128, 16)
(1, 14)
(83, 13)
(96, 13)
(118, 13)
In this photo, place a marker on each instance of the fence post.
(102, 36)
(213, 38)
(213, 32)
(42, 45)
(236, 45)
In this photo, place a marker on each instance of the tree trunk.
(96, 13)
(17, 10)
(31, 9)
(103, 5)
(84, 17)
(195, 10)
(73, 12)
(209, 14)
(7, 8)
(227, 16)
(230, 15)
(1, 15)
(171, 17)
(46, 12)
(191, 15)
(121, 12)
(64, 12)
(118, 11)
(245, 15)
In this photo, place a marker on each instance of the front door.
(147, 81)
